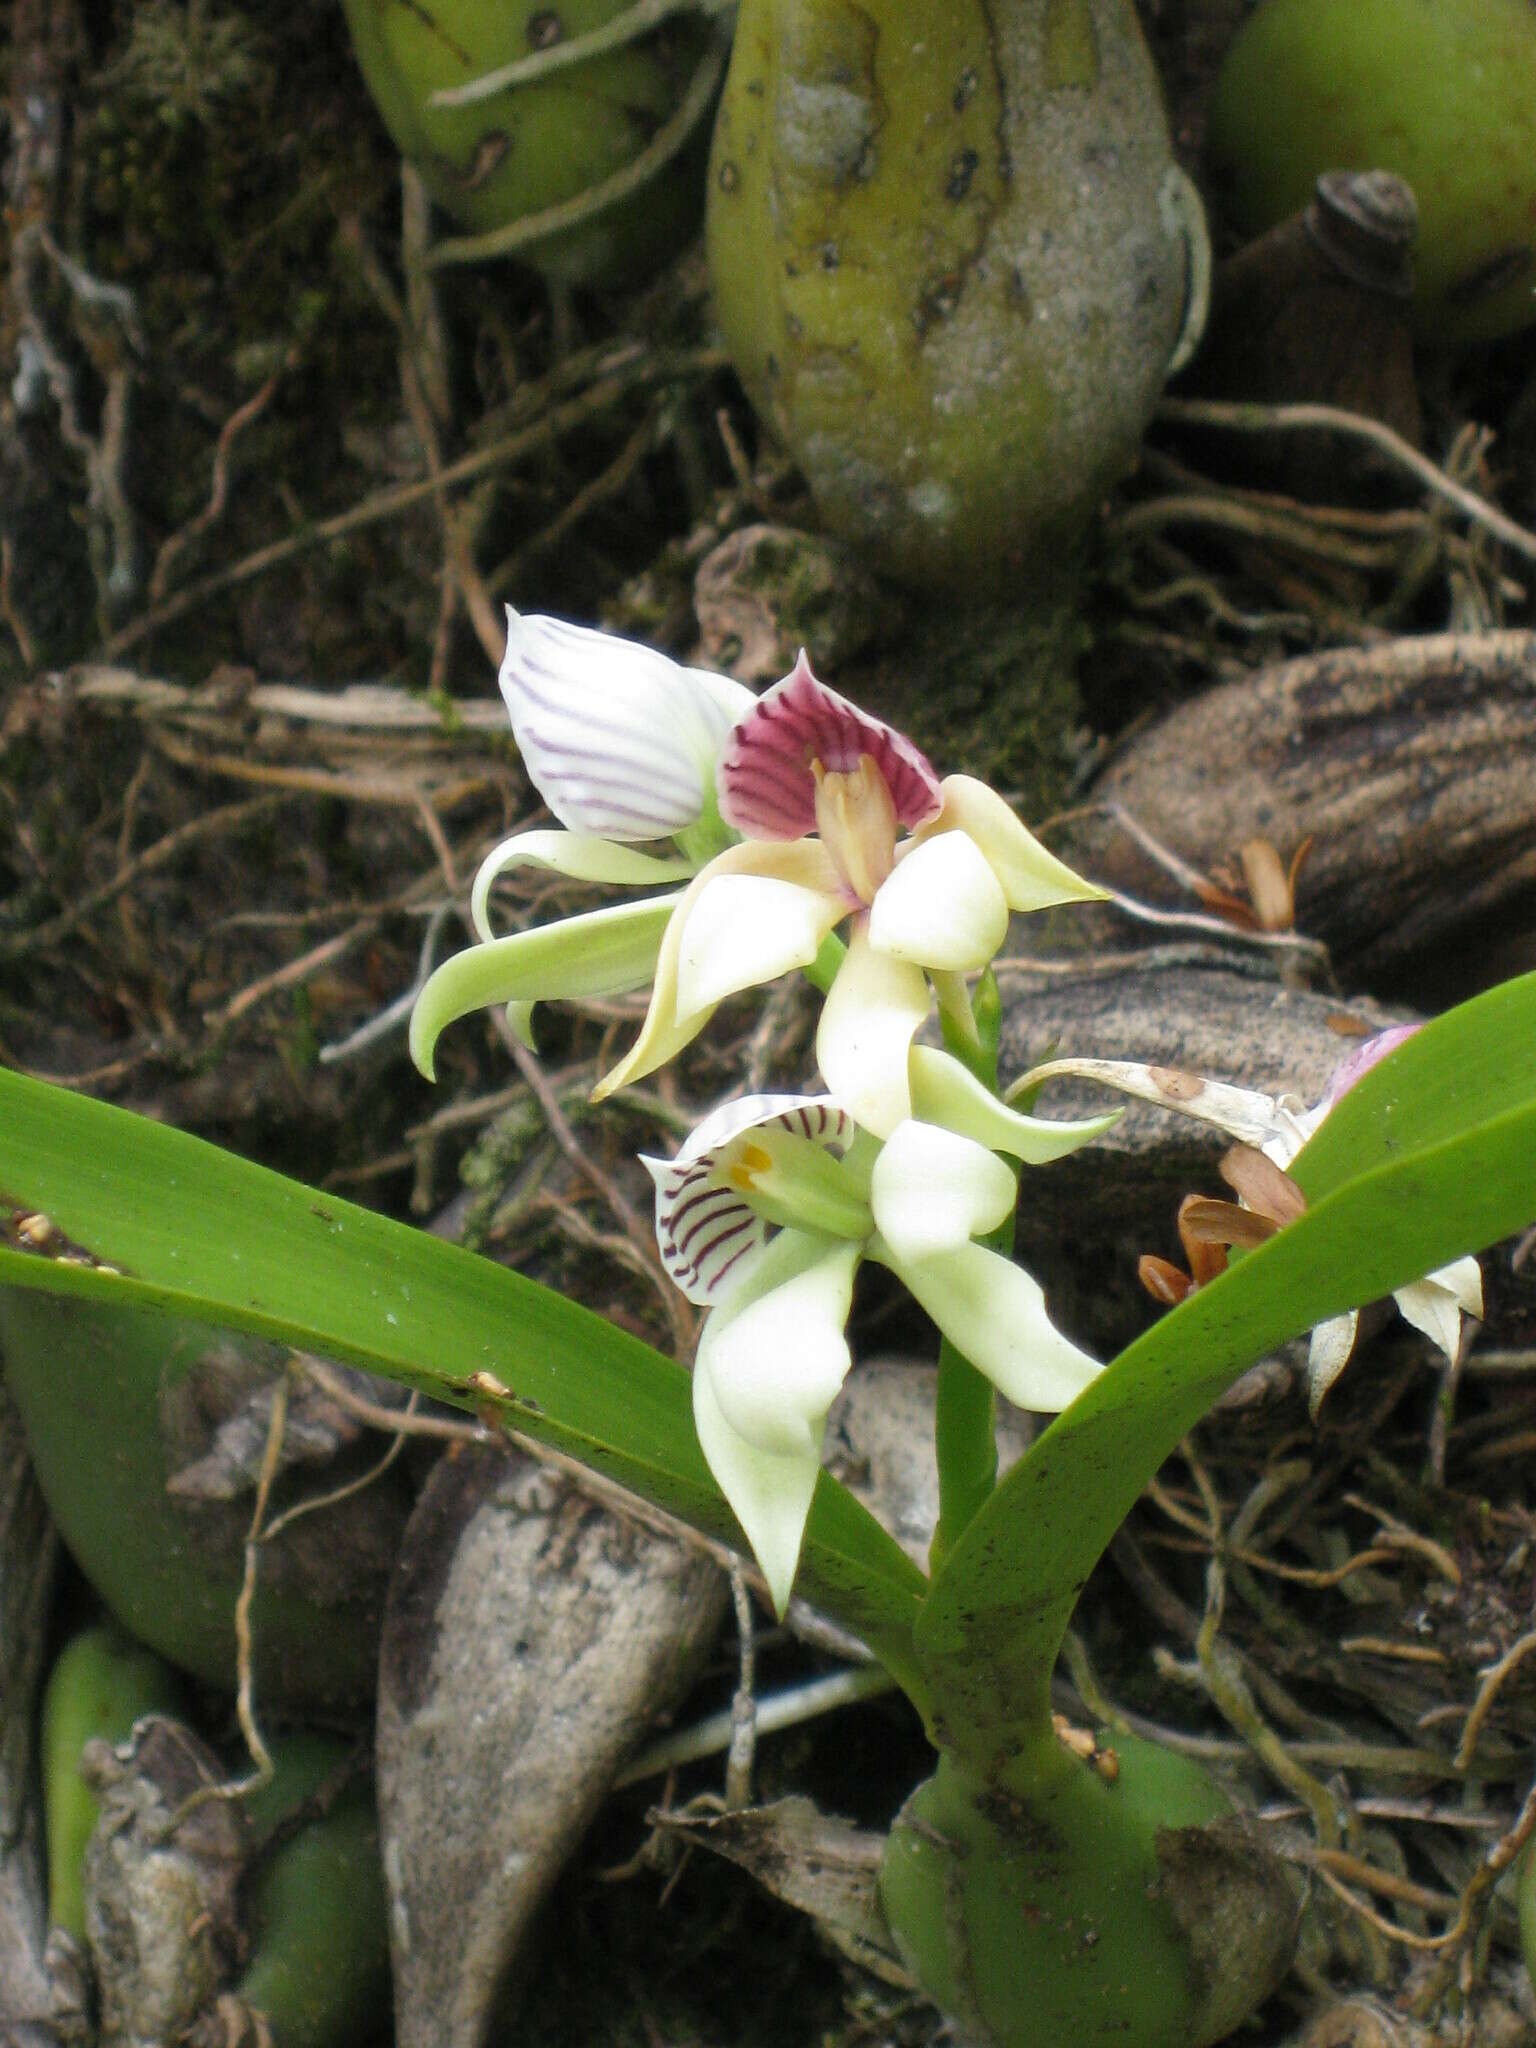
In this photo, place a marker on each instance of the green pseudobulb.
(1443, 92)
(533, 146)
(101, 1683)
(949, 254)
(1129, 1910)
(319, 1967)
(117, 1406)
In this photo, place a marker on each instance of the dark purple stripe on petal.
(720, 1272)
(702, 1217)
(707, 1254)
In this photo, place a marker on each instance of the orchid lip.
(765, 779)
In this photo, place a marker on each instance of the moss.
(217, 158)
(990, 690)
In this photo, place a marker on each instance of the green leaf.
(1445, 1132)
(1465, 1068)
(206, 1235)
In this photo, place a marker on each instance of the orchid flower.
(1278, 1126)
(933, 906)
(764, 1217)
(625, 746)
(621, 743)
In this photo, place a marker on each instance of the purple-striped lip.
(705, 1227)
(765, 781)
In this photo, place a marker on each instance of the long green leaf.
(207, 1235)
(1465, 1068)
(1451, 1168)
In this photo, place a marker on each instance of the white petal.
(747, 929)
(1032, 878)
(818, 1117)
(1434, 1310)
(1328, 1354)
(666, 1030)
(871, 1015)
(1240, 1112)
(945, 1092)
(731, 700)
(705, 1227)
(775, 1350)
(1462, 1279)
(577, 854)
(618, 740)
(941, 905)
(994, 1314)
(932, 1191)
(769, 1496)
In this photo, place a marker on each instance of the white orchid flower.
(1278, 1126)
(621, 743)
(933, 906)
(764, 1217)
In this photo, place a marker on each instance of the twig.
(550, 426)
(396, 1015)
(1254, 523)
(26, 646)
(1400, 1536)
(363, 1480)
(229, 818)
(570, 213)
(1493, 1677)
(1386, 1646)
(175, 545)
(1474, 1900)
(779, 1710)
(1219, 927)
(245, 1660)
(394, 1421)
(1387, 1883)
(365, 708)
(289, 973)
(1378, 1921)
(640, 1237)
(628, 27)
(606, 484)
(742, 1748)
(1268, 419)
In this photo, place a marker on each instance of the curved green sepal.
(580, 855)
(602, 953)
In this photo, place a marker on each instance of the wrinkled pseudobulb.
(950, 254)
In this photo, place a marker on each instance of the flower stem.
(966, 1443)
(822, 971)
(965, 1414)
